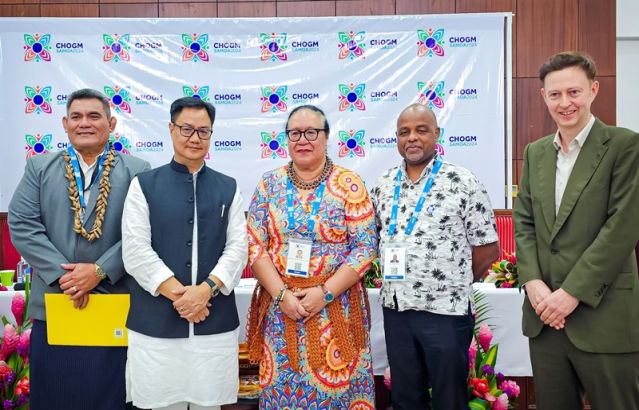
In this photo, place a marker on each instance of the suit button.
(189, 243)
(190, 220)
(191, 199)
(190, 179)
(554, 251)
(188, 264)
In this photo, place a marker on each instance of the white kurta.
(199, 369)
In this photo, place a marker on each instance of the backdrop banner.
(362, 71)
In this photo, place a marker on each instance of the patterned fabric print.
(344, 233)
(456, 216)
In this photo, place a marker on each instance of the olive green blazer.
(587, 249)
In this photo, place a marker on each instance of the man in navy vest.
(184, 241)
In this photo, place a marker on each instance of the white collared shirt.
(87, 171)
(566, 160)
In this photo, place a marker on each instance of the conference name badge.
(394, 264)
(299, 257)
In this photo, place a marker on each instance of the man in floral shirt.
(442, 246)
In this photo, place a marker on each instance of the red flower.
(17, 307)
(23, 386)
(506, 285)
(5, 369)
(480, 387)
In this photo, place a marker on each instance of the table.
(512, 359)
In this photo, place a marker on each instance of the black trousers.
(75, 377)
(428, 350)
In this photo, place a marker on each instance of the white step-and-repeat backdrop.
(362, 71)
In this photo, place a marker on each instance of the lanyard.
(289, 206)
(420, 203)
(78, 172)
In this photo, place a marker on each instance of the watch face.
(328, 297)
(215, 291)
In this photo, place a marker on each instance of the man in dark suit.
(65, 219)
(576, 227)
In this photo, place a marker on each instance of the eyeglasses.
(187, 131)
(310, 134)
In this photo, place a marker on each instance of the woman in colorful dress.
(309, 321)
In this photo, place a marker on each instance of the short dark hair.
(316, 110)
(89, 94)
(569, 59)
(191, 102)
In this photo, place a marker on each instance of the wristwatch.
(328, 296)
(99, 272)
(215, 290)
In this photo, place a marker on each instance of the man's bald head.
(418, 109)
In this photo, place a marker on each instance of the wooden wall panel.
(544, 28)
(68, 1)
(18, 10)
(597, 34)
(365, 7)
(129, 10)
(128, 1)
(425, 7)
(246, 9)
(604, 107)
(181, 10)
(305, 8)
(70, 10)
(531, 114)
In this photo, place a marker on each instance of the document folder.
(101, 323)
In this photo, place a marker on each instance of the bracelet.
(280, 296)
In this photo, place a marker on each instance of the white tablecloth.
(505, 314)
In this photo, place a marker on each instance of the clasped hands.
(193, 302)
(303, 304)
(551, 307)
(78, 281)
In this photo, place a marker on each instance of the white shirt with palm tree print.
(456, 216)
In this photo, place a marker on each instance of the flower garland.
(101, 203)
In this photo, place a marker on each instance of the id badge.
(394, 264)
(299, 257)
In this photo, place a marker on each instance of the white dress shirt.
(566, 160)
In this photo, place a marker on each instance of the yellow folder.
(101, 323)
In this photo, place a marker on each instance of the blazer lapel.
(588, 160)
(95, 192)
(547, 171)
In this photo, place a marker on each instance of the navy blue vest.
(170, 196)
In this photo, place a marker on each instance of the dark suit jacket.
(41, 223)
(588, 248)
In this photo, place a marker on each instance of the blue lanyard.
(314, 211)
(78, 173)
(420, 203)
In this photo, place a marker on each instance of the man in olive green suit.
(576, 227)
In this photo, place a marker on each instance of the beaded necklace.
(311, 185)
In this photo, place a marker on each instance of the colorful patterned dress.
(344, 233)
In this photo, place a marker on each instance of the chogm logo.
(61, 99)
(227, 47)
(384, 43)
(274, 99)
(196, 92)
(431, 94)
(120, 143)
(351, 45)
(37, 47)
(384, 142)
(227, 145)
(305, 98)
(194, 47)
(149, 146)
(462, 140)
(146, 99)
(119, 98)
(305, 45)
(227, 99)
(439, 146)
(274, 145)
(38, 100)
(384, 96)
(352, 97)
(273, 47)
(148, 46)
(38, 144)
(463, 41)
(116, 48)
(351, 143)
(464, 93)
(69, 47)
(430, 43)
